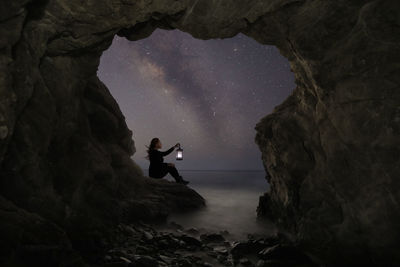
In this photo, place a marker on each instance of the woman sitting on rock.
(158, 169)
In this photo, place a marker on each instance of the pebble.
(245, 261)
(221, 250)
(148, 236)
(125, 259)
(165, 259)
(145, 247)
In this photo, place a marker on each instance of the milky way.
(207, 95)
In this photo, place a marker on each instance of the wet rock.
(107, 258)
(284, 252)
(146, 261)
(212, 254)
(245, 262)
(166, 259)
(224, 233)
(221, 250)
(148, 236)
(242, 249)
(192, 231)
(179, 249)
(125, 259)
(174, 242)
(144, 249)
(221, 258)
(163, 244)
(185, 263)
(212, 238)
(191, 241)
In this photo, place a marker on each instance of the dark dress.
(157, 168)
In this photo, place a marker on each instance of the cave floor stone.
(141, 245)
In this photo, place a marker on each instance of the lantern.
(179, 154)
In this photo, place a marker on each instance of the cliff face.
(331, 148)
(64, 145)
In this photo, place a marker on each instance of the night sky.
(207, 95)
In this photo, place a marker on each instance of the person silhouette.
(158, 169)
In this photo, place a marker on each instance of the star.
(172, 86)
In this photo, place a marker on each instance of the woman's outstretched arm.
(164, 153)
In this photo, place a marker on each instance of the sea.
(231, 202)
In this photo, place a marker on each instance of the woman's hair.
(152, 145)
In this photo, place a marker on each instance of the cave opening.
(65, 149)
(208, 95)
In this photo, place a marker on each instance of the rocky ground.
(142, 245)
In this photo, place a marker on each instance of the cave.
(331, 148)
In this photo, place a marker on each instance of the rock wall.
(65, 149)
(331, 148)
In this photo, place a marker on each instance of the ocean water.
(231, 199)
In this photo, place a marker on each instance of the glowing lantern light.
(179, 155)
